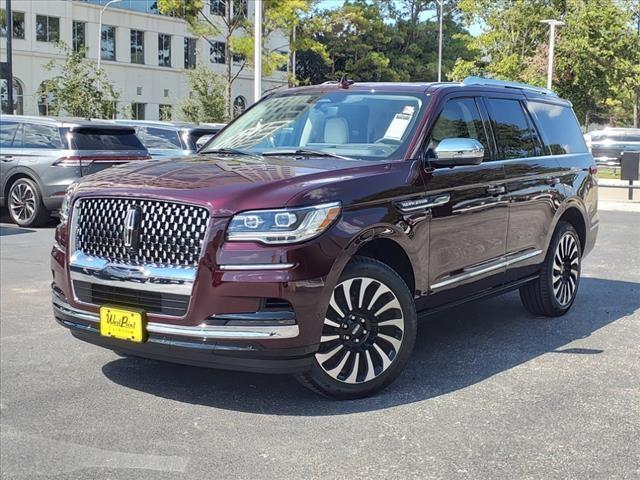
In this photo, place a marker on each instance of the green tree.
(80, 89)
(207, 101)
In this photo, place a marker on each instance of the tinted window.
(511, 129)
(40, 136)
(559, 128)
(7, 132)
(161, 138)
(97, 139)
(460, 118)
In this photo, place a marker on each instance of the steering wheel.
(388, 141)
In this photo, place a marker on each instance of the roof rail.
(505, 84)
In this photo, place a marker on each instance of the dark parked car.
(608, 145)
(172, 139)
(311, 234)
(40, 157)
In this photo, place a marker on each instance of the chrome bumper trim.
(261, 266)
(202, 332)
(151, 278)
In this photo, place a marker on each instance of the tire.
(553, 293)
(367, 337)
(25, 206)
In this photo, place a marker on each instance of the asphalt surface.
(491, 393)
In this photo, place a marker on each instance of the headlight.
(66, 202)
(286, 225)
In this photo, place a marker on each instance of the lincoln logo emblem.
(131, 228)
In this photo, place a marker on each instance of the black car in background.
(608, 145)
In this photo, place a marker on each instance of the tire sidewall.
(364, 267)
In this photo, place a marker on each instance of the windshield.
(356, 125)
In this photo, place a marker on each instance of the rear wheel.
(368, 333)
(25, 204)
(553, 293)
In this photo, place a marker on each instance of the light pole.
(441, 3)
(552, 45)
(257, 55)
(100, 29)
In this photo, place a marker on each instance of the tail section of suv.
(311, 235)
(40, 157)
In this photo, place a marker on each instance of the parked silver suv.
(40, 157)
(172, 139)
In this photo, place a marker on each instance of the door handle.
(6, 158)
(552, 181)
(496, 190)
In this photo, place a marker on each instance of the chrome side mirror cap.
(451, 152)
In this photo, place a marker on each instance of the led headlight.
(286, 225)
(66, 202)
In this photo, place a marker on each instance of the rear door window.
(105, 139)
(514, 138)
(41, 136)
(460, 118)
(559, 128)
(7, 133)
(161, 138)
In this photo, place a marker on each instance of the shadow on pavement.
(454, 350)
(6, 230)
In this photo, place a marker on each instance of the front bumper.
(216, 346)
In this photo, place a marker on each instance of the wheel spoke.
(331, 323)
(393, 303)
(371, 372)
(354, 370)
(334, 372)
(328, 338)
(346, 287)
(392, 340)
(363, 288)
(323, 357)
(385, 358)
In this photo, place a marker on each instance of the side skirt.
(491, 292)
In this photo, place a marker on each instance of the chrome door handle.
(496, 190)
(552, 181)
(6, 158)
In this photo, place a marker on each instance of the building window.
(137, 46)
(108, 44)
(47, 29)
(239, 58)
(165, 112)
(239, 105)
(138, 110)
(79, 37)
(217, 52)
(240, 8)
(46, 102)
(218, 7)
(164, 50)
(18, 97)
(189, 53)
(18, 24)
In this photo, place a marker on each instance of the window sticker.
(400, 123)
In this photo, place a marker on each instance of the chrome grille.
(170, 234)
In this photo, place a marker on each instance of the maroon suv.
(310, 235)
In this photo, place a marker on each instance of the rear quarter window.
(7, 133)
(40, 137)
(105, 139)
(559, 128)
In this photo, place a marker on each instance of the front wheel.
(368, 333)
(553, 293)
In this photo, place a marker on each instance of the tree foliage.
(207, 101)
(81, 89)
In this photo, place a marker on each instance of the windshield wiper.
(305, 152)
(232, 151)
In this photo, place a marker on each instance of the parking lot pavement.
(491, 393)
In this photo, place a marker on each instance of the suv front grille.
(169, 234)
(151, 302)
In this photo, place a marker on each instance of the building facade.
(144, 54)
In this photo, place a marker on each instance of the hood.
(225, 183)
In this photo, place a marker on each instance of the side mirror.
(452, 152)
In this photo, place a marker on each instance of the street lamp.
(552, 44)
(441, 3)
(257, 54)
(100, 29)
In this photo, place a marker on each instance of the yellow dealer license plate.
(122, 324)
